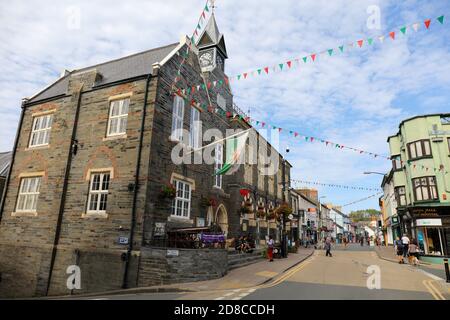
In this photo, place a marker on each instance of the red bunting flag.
(289, 63)
(295, 134)
(245, 75)
(427, 23)
(313, 56)
(203, 14)
(392, 35)
(360, 43)
(266, 69)
(263, 124)
(279, 129)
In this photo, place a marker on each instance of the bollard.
(447, 272)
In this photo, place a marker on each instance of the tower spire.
(213, 5)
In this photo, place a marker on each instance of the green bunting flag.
(206, 8)
(370, 40)
(341, 48)
(304, 59)
(441, 19)
(281, 66)
(403, 30)
(330, 51)
(259, 71)
(239, 77)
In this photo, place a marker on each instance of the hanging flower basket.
(261, 214)
(168, 191)
(283, 211)
(244, 210)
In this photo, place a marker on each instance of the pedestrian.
(405, 241)
(270, 245)
(361, 239)
(345, 242)
(413, 253)
(398, 247)
(328, 247)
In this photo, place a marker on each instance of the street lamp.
(284, 233)
(320, 218)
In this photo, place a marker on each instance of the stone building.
(93, 154)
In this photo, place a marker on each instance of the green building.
(420, 154)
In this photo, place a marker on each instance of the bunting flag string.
(315, 183)
(312, 57)
(201, 21)
(294, 134)
(363, 199)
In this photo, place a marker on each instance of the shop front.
(432, 231)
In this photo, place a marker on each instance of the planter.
(168, 191)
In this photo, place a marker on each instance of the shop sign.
(427, 212)
(428, 222)
(173, 253)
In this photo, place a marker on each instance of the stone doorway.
(222, 218)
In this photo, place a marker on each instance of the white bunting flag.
(416, 26)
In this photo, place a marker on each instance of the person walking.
(270, 244)
(413, 253)
(361, 239)
(345, 243)
(405, 241)
(398, 247)
(328, 247)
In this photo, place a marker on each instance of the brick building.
(91, 156)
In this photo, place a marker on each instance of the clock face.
(206, 59)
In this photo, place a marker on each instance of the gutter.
(16, 142)
(136, 188)
(64, 191)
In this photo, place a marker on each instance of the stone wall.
(158, 268)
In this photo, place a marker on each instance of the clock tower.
(211, 46)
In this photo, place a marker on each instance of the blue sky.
(356, 98)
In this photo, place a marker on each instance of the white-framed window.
(182, 202)
(218, 164)
(118, 116)
(177, 118)
(98, 192)
(40, 133)
(28, 194)
(195, 126)
(400, 193)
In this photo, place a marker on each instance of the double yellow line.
(433, 290)
(285, 275)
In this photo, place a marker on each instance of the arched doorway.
(222, 218)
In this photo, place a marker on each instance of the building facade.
(388, 205)
(421, 179)
(94, 184)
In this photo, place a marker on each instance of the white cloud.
(355, 98)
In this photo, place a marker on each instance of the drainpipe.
(136, 187)
(65, 187)
(16, 142)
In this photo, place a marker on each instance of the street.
(343, 276)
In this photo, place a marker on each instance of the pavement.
(388, 253)
(353, 273)
(248, 276)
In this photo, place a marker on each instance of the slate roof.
(128, 67)
(5, 161)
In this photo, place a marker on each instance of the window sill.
(119, 136)
(421, 158)
(94, 215)
(179, 219)
(47, 146)
(24, 214)
(427, 201)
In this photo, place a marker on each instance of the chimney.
(310, 193)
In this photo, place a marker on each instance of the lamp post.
(284, 233)
(320, 217)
